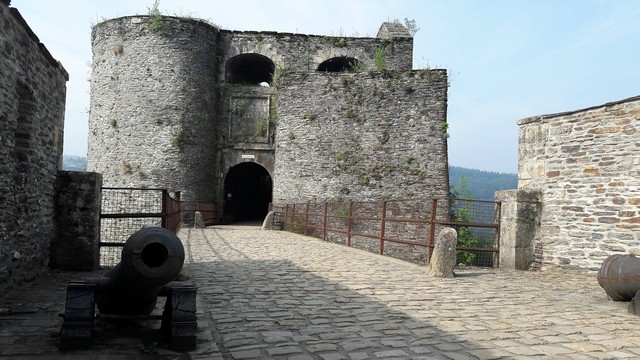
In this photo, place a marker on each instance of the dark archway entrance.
(250, 69)
(341, 64)
(247, 192)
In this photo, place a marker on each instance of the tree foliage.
(411, 25)
(482, 184)
(461, 211)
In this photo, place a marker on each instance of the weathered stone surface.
(519, 224)
(152, 109)
(32, 96)
(267, 224)
(167, 111)
(78, 205)
(443, 259)
(384, 136)
(198, 222)
(585, 165)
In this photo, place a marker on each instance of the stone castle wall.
(153, 104)
(167, 109)
(367, 136)
(586, 165)
(299, 52)
(78, 208)
(32, 103)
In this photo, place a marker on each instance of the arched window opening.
(341, 64)
(250, 69)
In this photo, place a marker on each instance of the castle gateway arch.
(247, 192)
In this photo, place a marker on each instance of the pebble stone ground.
(277, 295)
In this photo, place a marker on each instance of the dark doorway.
(247, 193)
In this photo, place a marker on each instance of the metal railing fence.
(401, 228)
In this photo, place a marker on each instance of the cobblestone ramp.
(269, 294)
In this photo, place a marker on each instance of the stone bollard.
(443, 259)
(267, 224)
(198, 222)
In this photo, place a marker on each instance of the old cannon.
(151, 259)
(619, 276)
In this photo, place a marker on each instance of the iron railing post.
(164, 213)
(306, 218)
(432, 228)
(349, 223)
(324, 223)
(286, 218)
(293, 217)
(383, 217)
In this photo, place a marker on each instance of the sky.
(506, 59)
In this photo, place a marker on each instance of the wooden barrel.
(619, 276)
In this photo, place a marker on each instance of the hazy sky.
(507, 59)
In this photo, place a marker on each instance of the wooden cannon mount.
(151, 258)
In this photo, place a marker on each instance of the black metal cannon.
(619, 276)
(151, 259)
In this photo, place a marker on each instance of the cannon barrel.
(619, 276)
(152, 257)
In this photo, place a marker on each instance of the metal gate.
(126, 210)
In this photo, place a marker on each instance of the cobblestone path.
(276, 295)
(272, 294)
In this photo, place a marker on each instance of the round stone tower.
(153, 104)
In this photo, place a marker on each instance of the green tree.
(461, 211)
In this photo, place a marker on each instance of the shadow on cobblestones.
(271, 308)
(30, 326)
(278, 295)
(269, 294)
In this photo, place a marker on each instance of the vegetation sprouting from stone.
(444, 127)
(149, 348)
(158, 23)
(262, 127)
(340, 43)
(357, 66)
(178, 140)
(379, 60)
(363, 180)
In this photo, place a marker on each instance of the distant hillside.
(74, 163)
(482, 184)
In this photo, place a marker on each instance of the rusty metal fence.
(403, 229)
(126, 210)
